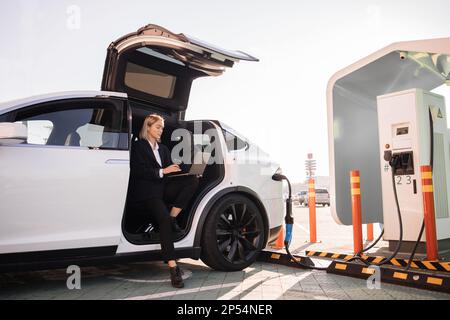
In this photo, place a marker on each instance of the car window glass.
(233, 142)
(4, 118)
(149, 81)
(97, 127)
(38, 131)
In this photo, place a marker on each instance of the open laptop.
(197, 167)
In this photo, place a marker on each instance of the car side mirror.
(13, 133)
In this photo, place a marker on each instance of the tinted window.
(149, 81)
(233, 142)
(80, 124)
(321, 191)
(3, 118)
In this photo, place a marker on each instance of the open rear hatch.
(156, 66)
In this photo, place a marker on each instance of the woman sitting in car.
(151, 191)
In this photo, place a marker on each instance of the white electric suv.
(65, 166)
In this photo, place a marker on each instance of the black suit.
(145, 182)
(150, 195)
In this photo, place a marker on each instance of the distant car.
(302, 197)
(322, 197)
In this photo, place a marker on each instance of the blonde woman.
(150, 163)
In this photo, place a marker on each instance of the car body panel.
(61, 197)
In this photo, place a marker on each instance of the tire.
(233, 234)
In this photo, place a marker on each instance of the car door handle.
(117, 161)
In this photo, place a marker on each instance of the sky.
(278, 103)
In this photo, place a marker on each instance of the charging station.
(413, 132)
(365, 100)
(384, 122)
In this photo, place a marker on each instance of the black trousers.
(178, 191)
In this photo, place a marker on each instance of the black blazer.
(145, 181)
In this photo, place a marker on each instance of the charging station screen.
(402, 131)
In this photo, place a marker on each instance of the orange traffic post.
(370, 232)
(356, 211)
(428, 211)
(279, 244)
(312, 211)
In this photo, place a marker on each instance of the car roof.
(20, 103)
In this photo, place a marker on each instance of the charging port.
(402, 163)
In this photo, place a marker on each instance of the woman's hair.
(148, 122)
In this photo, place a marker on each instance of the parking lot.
(147, 281)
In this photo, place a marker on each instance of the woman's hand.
(171, 169)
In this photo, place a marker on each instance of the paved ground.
(331, 237)
(260, 281)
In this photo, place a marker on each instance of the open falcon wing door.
(156, 66)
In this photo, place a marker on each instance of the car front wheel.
(233, 234)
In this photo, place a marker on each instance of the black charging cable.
(413, 253)
(289, 221)
(393, 161)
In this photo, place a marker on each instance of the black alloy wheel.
(234, 234)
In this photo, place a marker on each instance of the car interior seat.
(73, 139)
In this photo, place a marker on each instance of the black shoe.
(175, 227)
(176, 277)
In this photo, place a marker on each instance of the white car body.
(61, 198)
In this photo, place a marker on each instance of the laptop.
(198, 167)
